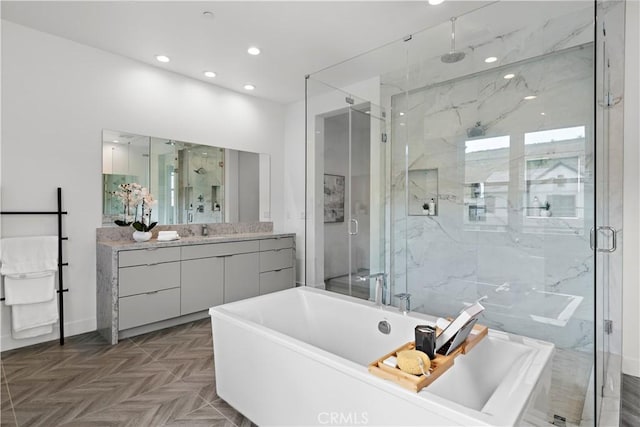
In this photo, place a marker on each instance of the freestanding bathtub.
(299, 357)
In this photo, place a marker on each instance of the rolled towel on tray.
(168, 235)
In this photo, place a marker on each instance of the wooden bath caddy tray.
(439, 364)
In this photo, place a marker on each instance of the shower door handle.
(594, 238)
(353, 222)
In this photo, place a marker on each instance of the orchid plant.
(132, 196)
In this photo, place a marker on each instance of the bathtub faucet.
(405, 302)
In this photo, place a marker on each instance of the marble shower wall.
(491, 236)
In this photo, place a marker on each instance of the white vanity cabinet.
(276, 264)
(167, 283)
(202, 284)
(241, 276)
(217, 273)
(149, 286)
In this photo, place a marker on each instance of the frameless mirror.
(192, 183)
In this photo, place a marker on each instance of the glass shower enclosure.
(494, 174)
(343, 192)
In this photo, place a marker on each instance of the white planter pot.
(141, 236)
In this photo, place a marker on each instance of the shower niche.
(423, 192)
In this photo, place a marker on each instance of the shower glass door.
(502, 177)
(607, 240)
(507, 152)
(345, 182)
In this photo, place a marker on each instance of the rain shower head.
(452, 56)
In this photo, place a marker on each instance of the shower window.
(486, 197)
(554, 179)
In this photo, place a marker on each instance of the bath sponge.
(409, 361)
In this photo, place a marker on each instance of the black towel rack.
(59, 212)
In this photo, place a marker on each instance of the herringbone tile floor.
(164, 378)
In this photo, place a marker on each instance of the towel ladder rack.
(61, 290)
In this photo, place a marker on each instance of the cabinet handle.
(152, 292)
(151, 249)
(278, 270)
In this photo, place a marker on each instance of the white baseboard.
(631, 366)
(76, 327)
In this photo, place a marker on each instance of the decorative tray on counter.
(439, 364)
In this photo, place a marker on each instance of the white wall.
(294, 195)
(58, 95)
(631, 248)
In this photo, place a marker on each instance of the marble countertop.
(191, 240)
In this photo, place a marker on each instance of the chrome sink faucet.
(405, 302)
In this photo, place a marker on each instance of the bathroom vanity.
(147, 286)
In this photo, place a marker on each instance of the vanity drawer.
(276, 243)
(219, 249)
(276, 259)
(148, 278)
(146, 308)
(272, 281)
(148, 256)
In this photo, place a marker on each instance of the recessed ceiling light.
(253, 51)
(402, 124)
(530, 97)
(509, 76)
(116, 141)
(162, 58)
(542, 114)
(209, 74)
(208, 14)
(249, 86)
(401, 113)
(435, 2)
(490, 59)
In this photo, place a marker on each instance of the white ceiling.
(296, 37)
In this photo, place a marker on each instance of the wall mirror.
(192, 183)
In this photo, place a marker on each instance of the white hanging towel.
(21, 255)
(29, 288)
(29, 265)
(32, 315)
(33, 332)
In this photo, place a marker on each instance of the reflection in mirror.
(188, 180)
(192, 183)
(125, 159)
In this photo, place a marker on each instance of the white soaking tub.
(299, 357)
